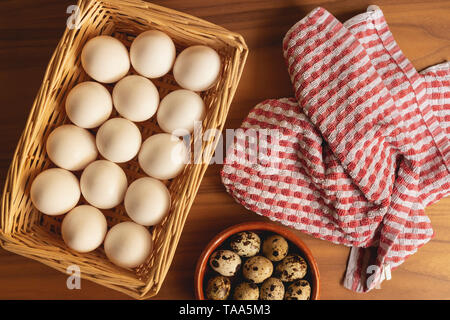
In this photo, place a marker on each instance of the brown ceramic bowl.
(257, 226)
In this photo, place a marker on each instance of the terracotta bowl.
(257, 226)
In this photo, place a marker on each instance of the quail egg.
(225, 262)
(299, 290)
(218, 288)
(272, 289)
(245, 244)
(246, 291)
(291, 268)
(257, 269)
(275, 247)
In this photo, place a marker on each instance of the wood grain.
(30, 31)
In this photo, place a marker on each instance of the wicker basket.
(26, 231)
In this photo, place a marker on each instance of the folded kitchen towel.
(359, 152)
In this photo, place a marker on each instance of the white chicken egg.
(71, 148)
(135, 98)
(88, 104)
(197, 68)
(147, 201)
(84, 228)
(163, 156)
(118, 140)
(103, 184)
(55, 191)
(152, 53)
(105, 59)
(128, 244)
(179, 111)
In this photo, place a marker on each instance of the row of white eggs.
(152, 55)
(103, 183)
(136, 99)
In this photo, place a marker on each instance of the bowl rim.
(202, 261)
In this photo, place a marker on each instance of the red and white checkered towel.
(359, 152)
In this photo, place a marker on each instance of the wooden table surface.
(30, 31)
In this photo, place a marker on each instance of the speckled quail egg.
(225, 262)
(299, 290)
(291, 268)
(275, 247)
(218, 288)
(245, 244)
(246, 291)
(257, 269)
(272, 289)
